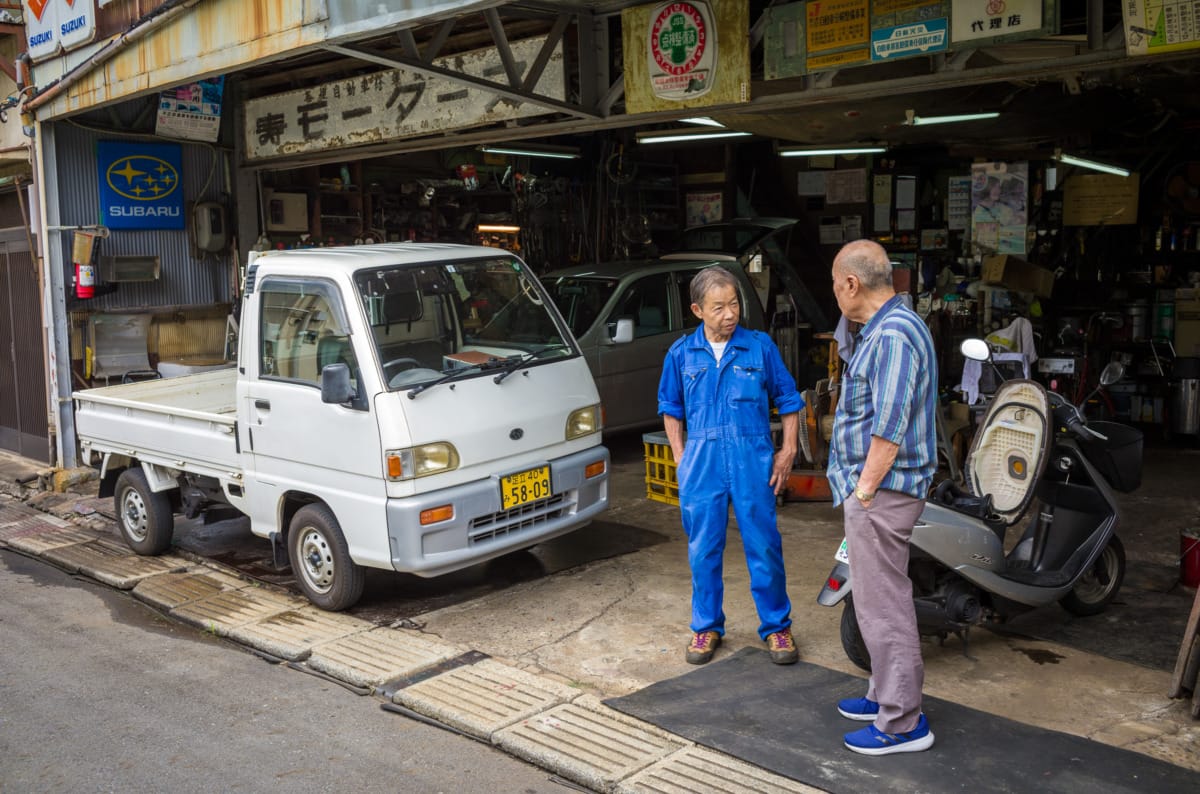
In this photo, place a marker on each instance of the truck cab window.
(303, 330)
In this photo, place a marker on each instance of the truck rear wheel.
(143, 516)
(321, 559)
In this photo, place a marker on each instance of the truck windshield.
(431, 320)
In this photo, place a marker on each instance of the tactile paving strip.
(112, 563)
(291, 635)
(588, 742)
(172, 590)
(221, 612)
(698, 770)
(379, 655)
(50, 537)
(483, 698)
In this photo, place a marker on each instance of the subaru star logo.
(516, 434)
(142, 178)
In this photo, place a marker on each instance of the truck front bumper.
(481, 529)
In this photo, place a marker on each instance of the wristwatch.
(863, 496)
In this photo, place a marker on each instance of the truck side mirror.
(624, 333)
(335, 384)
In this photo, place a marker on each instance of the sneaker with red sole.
(703, 646)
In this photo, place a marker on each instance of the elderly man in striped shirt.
(881, 463)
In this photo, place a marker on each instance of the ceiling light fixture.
(829, 150)
(686, 136)
(703, 121)
(497, 228)
(1068, 159)
(913, 120)
(555, 152)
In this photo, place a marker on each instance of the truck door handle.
(263, 404)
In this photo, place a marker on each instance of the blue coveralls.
(728, 458)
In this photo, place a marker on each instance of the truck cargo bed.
(186, 423)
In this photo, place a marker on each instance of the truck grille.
(505, 522)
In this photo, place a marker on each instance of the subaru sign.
(139, 185)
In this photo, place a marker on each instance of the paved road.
(100, 693)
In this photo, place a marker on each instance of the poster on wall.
(998, 206)
(140, 185)
(682, 50)
(191, 111)
(958, 202)
(1154, 26)
(703, 208)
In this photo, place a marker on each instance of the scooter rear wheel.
(852, 641)
(1099, 584)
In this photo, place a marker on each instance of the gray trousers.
(877, 538)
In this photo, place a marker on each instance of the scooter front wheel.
(1099, 583)
(852, 641)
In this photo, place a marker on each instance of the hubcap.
(317, 560)
(134, 515)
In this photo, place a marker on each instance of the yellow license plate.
(525, 487)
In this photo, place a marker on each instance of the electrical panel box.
(286, 212)
(208, 219)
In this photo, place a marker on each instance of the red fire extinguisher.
(83, 248)
(85, 281)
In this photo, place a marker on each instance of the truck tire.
(321, 559)
(143, 516)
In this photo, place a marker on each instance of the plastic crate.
(661, 485)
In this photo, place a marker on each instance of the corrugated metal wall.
(184, 280)
(23, 426)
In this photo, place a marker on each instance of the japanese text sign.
(393, 104)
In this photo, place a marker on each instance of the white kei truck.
(412, 407)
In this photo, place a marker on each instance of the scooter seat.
(949, 494)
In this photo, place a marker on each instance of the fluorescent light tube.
(521, 151)
(832, 150)
(685, 136)
(1092, 164)
(921, 121)
(500, 228)
(703, 121)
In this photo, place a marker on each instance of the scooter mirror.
(976, 349)
(1112, 373)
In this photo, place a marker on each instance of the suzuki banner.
(55, 25)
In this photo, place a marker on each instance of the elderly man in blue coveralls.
(720, 379)
(882, 459)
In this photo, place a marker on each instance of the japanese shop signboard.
(682, 50)
(1154, 26)
(55, 25)
(982, 22)
(140, 185)
(394, 103)
(671, 58)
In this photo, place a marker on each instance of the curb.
(525, 714)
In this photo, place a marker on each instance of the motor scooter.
(1032, 445)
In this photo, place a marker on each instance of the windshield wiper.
(513, 366)
(461, 372)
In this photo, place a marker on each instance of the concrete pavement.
(558, 645)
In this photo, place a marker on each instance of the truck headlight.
(583, 421)
(421, 460)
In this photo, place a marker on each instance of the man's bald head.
(868, 262)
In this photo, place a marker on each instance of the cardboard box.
(1187, 327)
(1018, 275)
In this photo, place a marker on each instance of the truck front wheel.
(321, 559)
(143, 516)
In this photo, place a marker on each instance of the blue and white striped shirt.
(889, 390)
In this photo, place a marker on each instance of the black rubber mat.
(785, 719)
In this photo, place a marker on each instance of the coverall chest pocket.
(748, 383)
(694, 380)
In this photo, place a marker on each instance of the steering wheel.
(399, 364)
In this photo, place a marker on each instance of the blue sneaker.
(858, 709)
(872, 741)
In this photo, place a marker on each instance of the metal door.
(24, 423)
